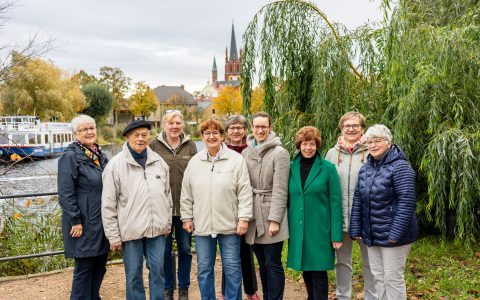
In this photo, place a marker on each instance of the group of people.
(243, 194)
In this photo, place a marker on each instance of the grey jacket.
(269, 168)
(348, 165)
(136, 202)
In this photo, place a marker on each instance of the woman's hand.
(242, 227)
(188, 226)
(273, 228)
(337, 245)
(76, 231)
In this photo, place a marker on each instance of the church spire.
(233, 46)
(214, 70)
(214, 63)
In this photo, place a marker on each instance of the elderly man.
(136, 206)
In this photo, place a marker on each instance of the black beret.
(136, 124)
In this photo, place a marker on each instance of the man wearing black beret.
(136, 206)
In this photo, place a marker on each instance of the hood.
(271, 141)
(162, 137)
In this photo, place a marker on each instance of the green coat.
(314, 216)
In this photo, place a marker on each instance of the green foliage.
(417, 73)
(118, 84)
(30, 232)
(99, 100)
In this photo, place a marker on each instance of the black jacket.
(80, 196)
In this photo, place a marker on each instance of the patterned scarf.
(94, 153)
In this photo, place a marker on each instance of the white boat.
(27, 136)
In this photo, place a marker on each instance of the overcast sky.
(161, 42)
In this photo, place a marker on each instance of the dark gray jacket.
(80, 195)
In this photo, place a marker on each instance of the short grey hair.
(236, 119)
(170, 114)
(379, 131)
(81, 119)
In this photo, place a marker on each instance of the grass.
(435, 269)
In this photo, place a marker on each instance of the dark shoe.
(183, 294)
(168, 294)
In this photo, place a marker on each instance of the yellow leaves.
(228, 102)
(258, 95)
(16, 216)
(37, 86)
(40, 201)
(143, 101)
(28, 203)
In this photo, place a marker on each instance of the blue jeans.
(184, 245)
(206, 247)
(133, 253)
(272, 275)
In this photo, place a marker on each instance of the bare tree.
(33, 47)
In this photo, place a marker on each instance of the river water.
(39, 176)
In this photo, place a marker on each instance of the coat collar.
(314, 171)
(81, 156)
(271, 141)
(151, 156)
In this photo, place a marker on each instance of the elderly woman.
(314, 214)
(268, 166)
(236, 127)
(80, 191)
(349, 155)
(383, 212)
(176, 149)
(216, 205)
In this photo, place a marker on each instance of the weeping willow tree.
(417, 72)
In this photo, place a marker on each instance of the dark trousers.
(272, 275)
(87, 277)
(248, 270)
(317, 284)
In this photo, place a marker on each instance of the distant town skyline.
(159, 42)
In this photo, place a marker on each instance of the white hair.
(379, 131)
(81, 119)
(170, 114)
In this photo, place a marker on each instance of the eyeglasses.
(258, 127)
(211, 133)
(93, 128)
(351, 126)
(375, 142)
(236, 128)
(169, 111)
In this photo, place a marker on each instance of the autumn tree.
(228, 102)
(118, 85)
(84, 78)
(258, 94)
(143, 101)
(38, 87)
(98, 100)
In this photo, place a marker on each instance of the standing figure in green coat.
(314, 213)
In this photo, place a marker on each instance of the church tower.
(232, 63)
(214, 71)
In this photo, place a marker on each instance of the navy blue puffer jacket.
(384, 201)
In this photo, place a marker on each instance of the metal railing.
(26, 256)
